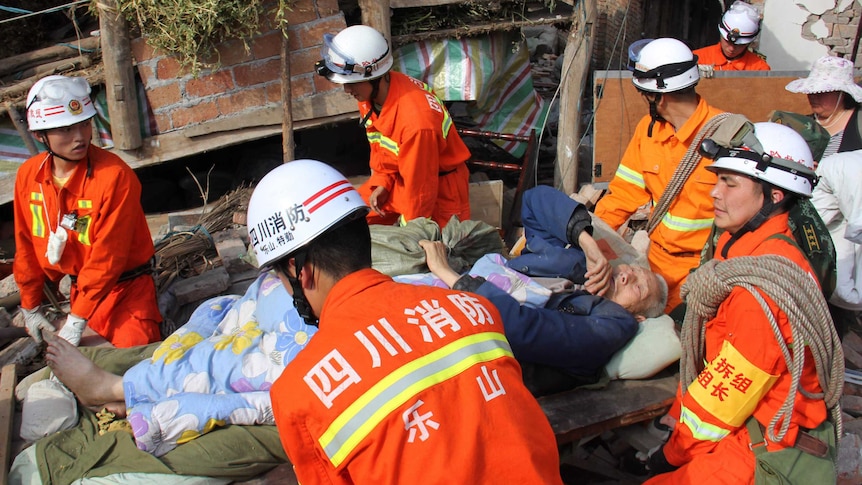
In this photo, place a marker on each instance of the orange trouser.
(129, 314)
(731, 463)
(674, 269)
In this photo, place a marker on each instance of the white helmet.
(785, 161)
(295, 203)
(57, 101)
(740, 24)
(664, 66)
(356, 54)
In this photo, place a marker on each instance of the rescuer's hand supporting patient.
(73, 329)
(36, 323)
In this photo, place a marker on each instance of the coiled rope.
(797, 294)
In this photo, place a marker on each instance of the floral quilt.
(217, 369)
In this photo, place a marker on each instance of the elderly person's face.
(824, 104)
(633, 288)
(731, 50)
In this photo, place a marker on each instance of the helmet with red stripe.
(294, 204)
(58, 101)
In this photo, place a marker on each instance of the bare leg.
(118, 408)
(93, 386)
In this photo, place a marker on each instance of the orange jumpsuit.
(745, 374)
(644, 172)
(749, 61)
(110, 238)
(417, 155)
(410, 384)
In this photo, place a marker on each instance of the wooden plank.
(576, 65)
(376, 13)
(8, 380)
(119, 77)
(174, 145)
(329, 103)
(584, 412)
(619, 107)
(422, 3)
(479, 29)
(15, 63)
(486, 202)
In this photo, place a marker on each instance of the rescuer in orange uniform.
(665, 75)
(738, 28)
(738, 370)
(402, 383)
(418, 160)
(78, 212)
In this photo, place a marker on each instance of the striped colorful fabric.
(491, 70)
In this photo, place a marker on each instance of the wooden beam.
(586, 412)
(422, 3)
(21, 127)
(576, 65)
(11, 65)
(322, 105)
(287, 144)
(375, 13)
(119, 77)
(477, 29)
(8, 380)
(176, 144)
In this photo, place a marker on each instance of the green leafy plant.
(191, 30)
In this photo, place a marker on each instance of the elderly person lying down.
(576, 331)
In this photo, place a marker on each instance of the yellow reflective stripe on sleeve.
(36, 196)
(38, 226)
(384, 142)
(364, 414)
(730, 386)
(684, 224)
(447, 121)
(631, 176)
(85, 204)
(700, 429)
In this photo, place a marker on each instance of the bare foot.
(118, 408)
(92, 385)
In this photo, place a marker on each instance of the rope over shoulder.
(798, 296)
(686, 167)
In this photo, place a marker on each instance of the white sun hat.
(828, 74)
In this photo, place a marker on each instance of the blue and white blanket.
(217, 369)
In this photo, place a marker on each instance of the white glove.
(35, 323)
(72, 329)
(706, 70)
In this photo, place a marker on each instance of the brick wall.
(835, 28)
(245, 82)
(619, 23)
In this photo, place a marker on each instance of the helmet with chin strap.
(293, 205)
(777, 155)
(740, 24)
(665, 66)
(58, 101)
(662, 66)
(356, 54)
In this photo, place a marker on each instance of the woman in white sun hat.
(834, 97)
